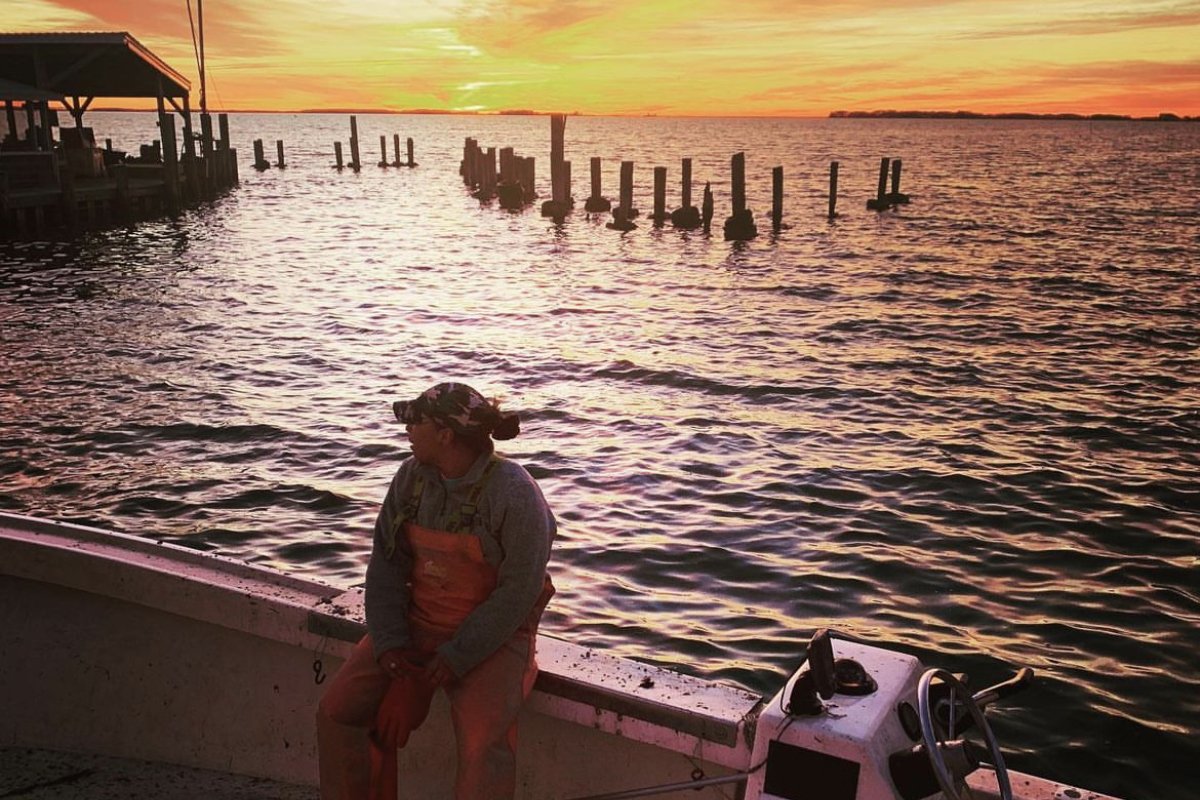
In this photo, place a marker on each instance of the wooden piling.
(596, 202)
(190, 163)
(279, 161)
(833, 178)
(777, 199)
(211, 176)
(737, 166)
(660, 196)
(355, 164)
(707, 210)
(558, 131)
(337, 154)
(626, 191)
(260, 160)
(507, 165)
(487, 180)
(411, 161)
(529, 178)
(558, 204)
(624, 213)
(739, 226)
(230, 155)
(895, 196)
(170, 152)
(467, 168)
(879, 201)
(685, 187)
(687, 216)
(508, 190)
(466, 165)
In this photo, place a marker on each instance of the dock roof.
(87, 65)
(11, 90)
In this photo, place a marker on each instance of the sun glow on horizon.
(668, 57)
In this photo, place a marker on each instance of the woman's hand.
(401, 661)
(438, 673)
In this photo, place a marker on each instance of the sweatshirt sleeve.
(387, 592)
(525, 528)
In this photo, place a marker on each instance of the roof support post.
(30, 125)
(76, 108)
(41, 136)
(10, 113)
(46, 139)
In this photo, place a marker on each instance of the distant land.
(518, 112)
(1165, 117)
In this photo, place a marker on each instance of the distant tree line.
(892, 114)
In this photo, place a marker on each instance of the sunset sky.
(669, 57)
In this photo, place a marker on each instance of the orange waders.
(450, 579)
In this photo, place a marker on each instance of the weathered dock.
(50, 183)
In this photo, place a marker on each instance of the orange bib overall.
(450, 579)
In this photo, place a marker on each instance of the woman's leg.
(484, 705)
(346, 711)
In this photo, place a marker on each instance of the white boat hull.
(119, 646)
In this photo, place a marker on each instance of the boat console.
(857, 722)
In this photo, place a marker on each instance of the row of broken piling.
(508, 178)
(261, 163)
(505, 176)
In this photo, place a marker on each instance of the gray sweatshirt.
(515, 529)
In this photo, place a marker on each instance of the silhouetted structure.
(686, 216)
(260, 158)
(895, 196)
(833, 181)
(777, 199)
(48, 184)
(659, 215)
(740, 225)
(560, 201)
(707, 210)
(879, 201)
(597, 202)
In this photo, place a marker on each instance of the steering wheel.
(932, 739)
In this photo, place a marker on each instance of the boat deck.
(31, 774)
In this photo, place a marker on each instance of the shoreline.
(1021, 115)
(953, 115)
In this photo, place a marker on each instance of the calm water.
(968, 429)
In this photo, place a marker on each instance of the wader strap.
(463, 518)
(407, 514)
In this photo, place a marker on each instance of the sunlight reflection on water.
(967, 428)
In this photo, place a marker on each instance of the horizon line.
(839, 114)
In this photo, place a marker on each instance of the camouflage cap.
(458, 407)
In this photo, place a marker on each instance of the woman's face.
(425, 439)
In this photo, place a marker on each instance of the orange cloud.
(1096, 24)
(798, 57)
(155, 20)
